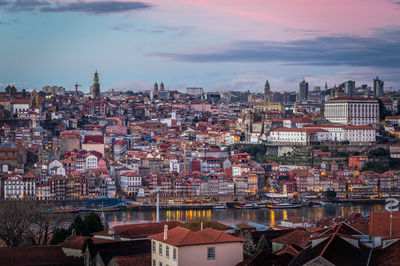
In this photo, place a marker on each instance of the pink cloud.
(338, 16)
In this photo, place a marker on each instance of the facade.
(180, 246)
(194, 91)
(130, 182)
(354, 111)
(269, 106)
(20, 187)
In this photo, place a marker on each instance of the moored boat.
(283, 205)
(220, 206)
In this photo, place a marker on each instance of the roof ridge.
(187, 232)
(330, 240)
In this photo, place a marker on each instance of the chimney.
(165, 232)
(201, 226)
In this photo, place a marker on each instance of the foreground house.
(180, 246)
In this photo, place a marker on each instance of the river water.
(236, 216)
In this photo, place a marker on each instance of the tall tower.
(349, 88)
(155, 87)
(161, 86)
(378, 88)
(96, 86)
(303, 94)
(267, 92)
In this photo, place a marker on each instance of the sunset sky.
(217, 45)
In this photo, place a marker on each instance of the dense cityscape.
(191, 133)
(196, 150)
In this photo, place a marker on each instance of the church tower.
(96, 86)
(267, 92)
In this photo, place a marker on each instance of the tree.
(43, 226)
(330, 194)
(93, 223)
(79, 226)
(87, 243)
(262, 244)
(15, 221)
(248, 247)
(60, 235)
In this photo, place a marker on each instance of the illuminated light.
(285, 216)
(272, 214)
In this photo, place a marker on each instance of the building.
(303, 91)
(357, 162)
(95, 88)
(378, 88)
(269, 106)
(181, 246)
(349, 88)
(69, 141)
(267, 92)
(194, 91)
(349, 110)
(298, 136)
(130, 182)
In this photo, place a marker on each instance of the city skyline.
(217, 46)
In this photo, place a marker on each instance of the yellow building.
(269, 106)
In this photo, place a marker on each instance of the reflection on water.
(235, 216)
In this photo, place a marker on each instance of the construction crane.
(77, 86)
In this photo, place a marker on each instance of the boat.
(283, 205)
(63, 210)
(220, 206)
(107, 208)
(248, 206)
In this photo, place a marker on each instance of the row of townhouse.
(192, 186)
(364, 182)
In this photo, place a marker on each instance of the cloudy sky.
(218, 45)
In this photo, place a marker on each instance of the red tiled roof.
(76, 242)
(184, 237)
(140, 230)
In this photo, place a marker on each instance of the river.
(236, 216)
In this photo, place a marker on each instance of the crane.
(77, 86)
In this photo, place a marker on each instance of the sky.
(218, 45)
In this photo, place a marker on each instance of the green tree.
(86, 243)
(330, 194)
(262, 244)
(79, 226)
(93, 223)
(60, 235)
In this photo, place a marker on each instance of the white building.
(91, 162)
(130, 182)
(354, 111)
(18, 187)
(321, 133)
(181, 247)
(297, 136)
(353, 134)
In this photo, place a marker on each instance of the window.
(160, 264)
(160, 250)
(174, 254)
(154, 263)
(167, 252)
(154, 247)
(211, 253)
